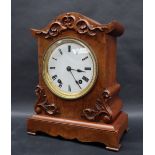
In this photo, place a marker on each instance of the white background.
(149, 76)
(5, 77)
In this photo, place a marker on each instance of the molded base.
(109, 134)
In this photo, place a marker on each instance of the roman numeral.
(60, 83)
(85, 78)
(54, 77)
(80, 81)
(85, 58)
(87, 68)
(60, 51)
(69, 48)
(54, 58)
(52, 67)
(69, 88)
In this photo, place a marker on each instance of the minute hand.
(75, 80)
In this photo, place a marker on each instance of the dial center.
(68, 68)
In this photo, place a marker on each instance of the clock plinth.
(78, 94)
(108, 134)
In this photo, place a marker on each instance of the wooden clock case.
(97, 116)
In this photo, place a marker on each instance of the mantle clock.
(77, 94)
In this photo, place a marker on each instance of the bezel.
(48, 80)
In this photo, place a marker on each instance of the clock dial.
(70, 68)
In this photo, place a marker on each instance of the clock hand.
(69, 70)
(78, 70)
(75, 80)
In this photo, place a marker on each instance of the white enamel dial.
(70, 68)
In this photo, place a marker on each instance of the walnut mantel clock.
(77, 90)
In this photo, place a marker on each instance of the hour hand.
(78, 70)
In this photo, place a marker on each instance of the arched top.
(79, 23)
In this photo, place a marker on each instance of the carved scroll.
(42, 104)
(102, 110)
(78, 23)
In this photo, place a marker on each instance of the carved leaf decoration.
(98, 105)
(90, 114)
(77, 23)
(40, 93)
(82, 27)
(68, 21)
(102, 111)
(55, 29)
(42, 104)
(50, 108)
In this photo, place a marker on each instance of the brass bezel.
(47, 78)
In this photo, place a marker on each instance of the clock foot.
(113, 148)
(127, 130)
(31, 133)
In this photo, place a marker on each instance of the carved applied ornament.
(79, 24)
(102, 110)
(42, 104)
